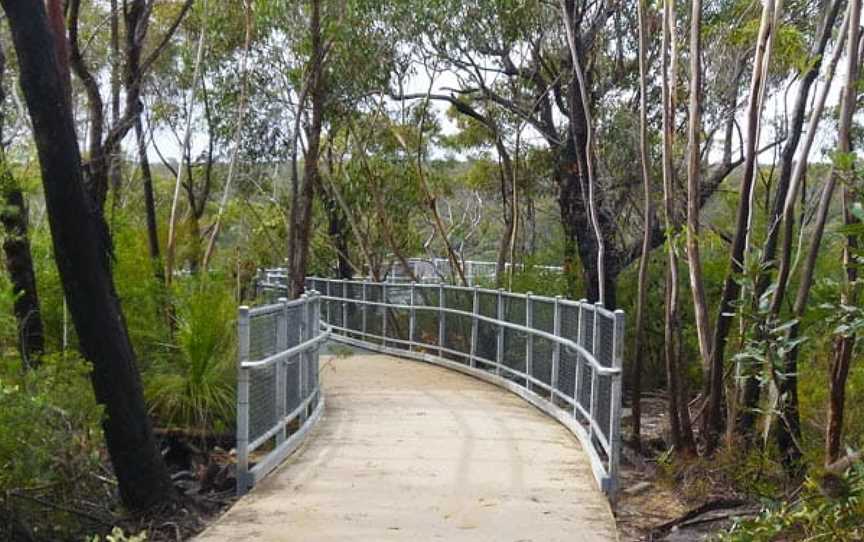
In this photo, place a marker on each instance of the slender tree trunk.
(149, 201)
(171, 244)
(589, 153)
(679, 414)
(81, 252)
(647, 226)
(694, 183)
(713, 420)
(508, 179)
(750, 387)
(843, 346)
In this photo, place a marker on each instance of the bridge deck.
(410, 451)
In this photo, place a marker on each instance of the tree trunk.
(750, 388)
(149, 201)
(19, 264)
(16, 248)
(301, 211)
(843, 346)
(694, 259)
(647, 219)
(81, 251)
(679, 414)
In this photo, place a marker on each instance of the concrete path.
(409, 451)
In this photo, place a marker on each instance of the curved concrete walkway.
(414, 452)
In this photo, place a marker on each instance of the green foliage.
(48, 422)
(194, 387)
(830, 508)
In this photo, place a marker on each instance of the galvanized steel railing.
(564, 357)
(278, 395)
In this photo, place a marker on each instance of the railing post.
(345, 306)
(384, 313)
(580, 340)
(281, 368)
(615, 409)
(329, 303)
(595, 380)
(499, 350)
(242, 401)
(529, 339)
(305, 335)
(556, 348)
(475, 323)
(411, 317)
(441, 320)
(365, 308)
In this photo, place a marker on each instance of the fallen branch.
(710, 506)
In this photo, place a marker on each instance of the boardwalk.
(410, 451)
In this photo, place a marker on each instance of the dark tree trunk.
(338, 230)
(81, 249)
(16, 248)
(19, 263)
(301, 212)
(149, 201)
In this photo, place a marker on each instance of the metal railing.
(278, 394)
(426, 270)
(562, 356)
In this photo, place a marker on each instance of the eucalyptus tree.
(512, 56)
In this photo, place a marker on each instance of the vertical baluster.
(329, 303)
(441, 320)
(384, 313)
(556, 348)
(595, 380)
(365, 309)
(499, 349)
(242, 401)
(345, 306)
(529, 340)
(411, 317)
(281, 368)
(615, 409)
(580, 340)
(475, 324)
(305, 334)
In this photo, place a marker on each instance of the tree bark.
(16, 248)
(647, 219)
(301, 211)
(80, 246)
(844, 345)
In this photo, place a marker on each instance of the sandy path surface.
(410, 451)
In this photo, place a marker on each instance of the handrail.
(572, 372)
(285, 383)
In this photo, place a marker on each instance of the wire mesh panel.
(426, 321)
(398, 318)
(277, 381)
(486, 349)
(585, 371)
(457, 327)
(603, 354)
(543, 320)
(515, 340)
(354, 311)
(569, 315)
(374, 313)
